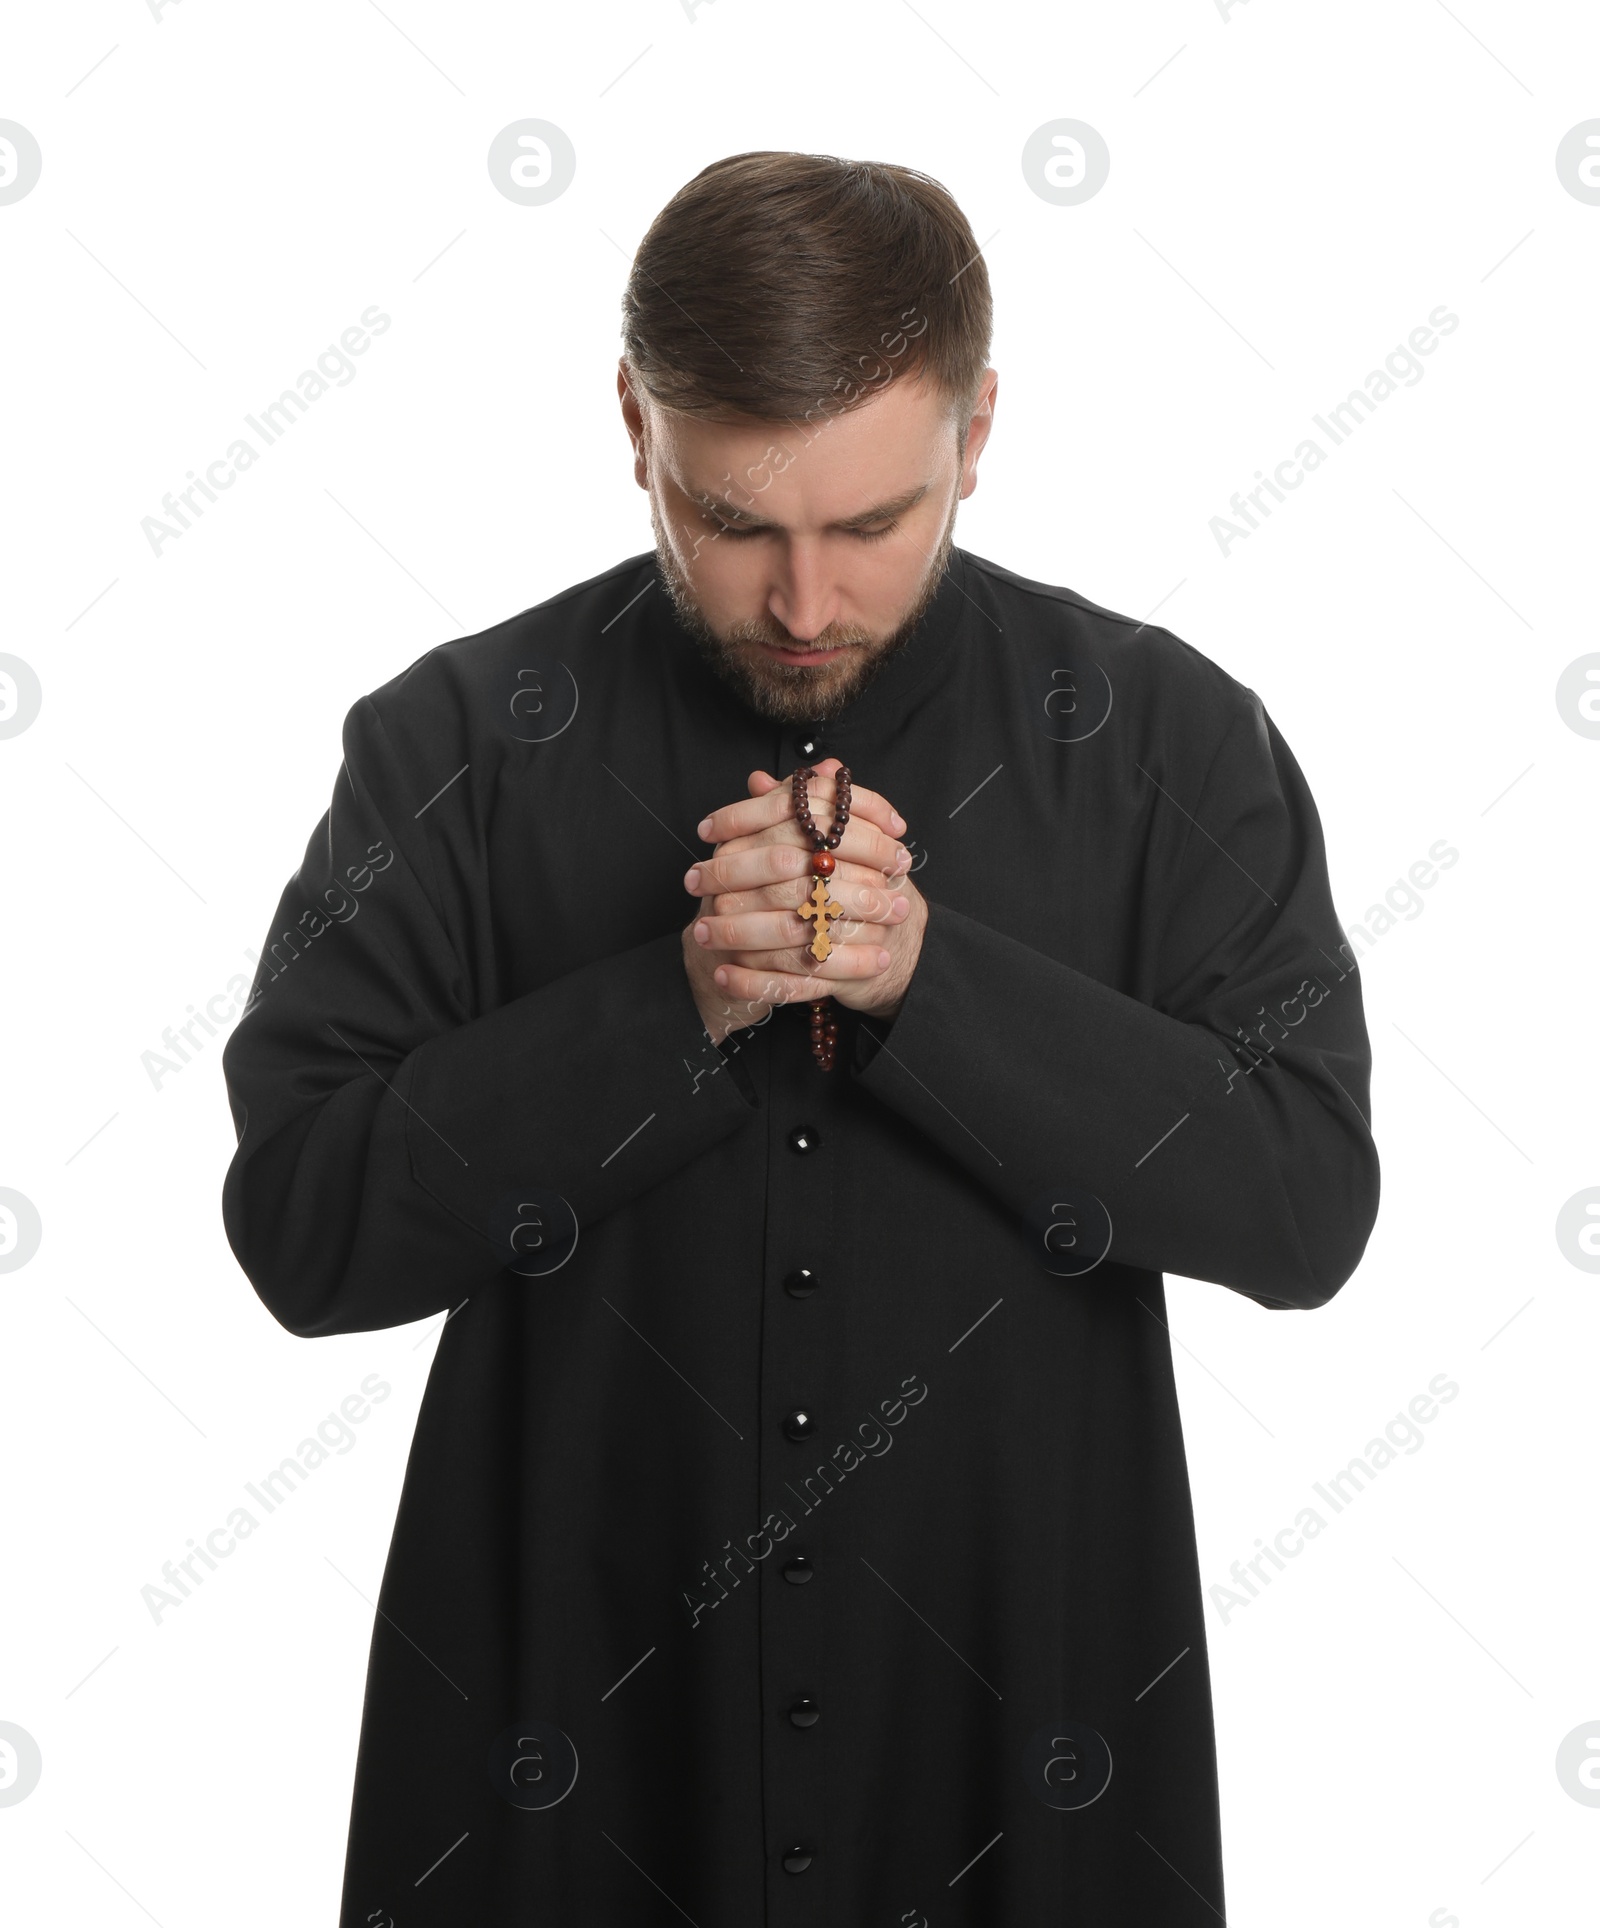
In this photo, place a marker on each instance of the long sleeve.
(388, 1133)
(1220, 1118)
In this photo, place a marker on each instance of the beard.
(796, 692)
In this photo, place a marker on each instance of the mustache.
(768, 629)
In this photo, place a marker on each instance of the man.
(797, 1529)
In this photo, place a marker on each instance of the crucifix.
(819, 910)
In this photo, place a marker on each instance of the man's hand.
(749, 950)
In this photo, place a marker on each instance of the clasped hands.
(749, 950)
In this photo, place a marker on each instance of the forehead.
(834, 461)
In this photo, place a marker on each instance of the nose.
(803, 597)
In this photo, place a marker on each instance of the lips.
(803, 655)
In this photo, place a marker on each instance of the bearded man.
(785, 1002)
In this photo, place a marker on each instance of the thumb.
(759, 783)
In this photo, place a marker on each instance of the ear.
(978, 429)
(633, 420)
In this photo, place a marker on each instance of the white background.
(1291, 193)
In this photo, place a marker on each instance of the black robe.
(646, 1634)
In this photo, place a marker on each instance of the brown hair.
(780, 286)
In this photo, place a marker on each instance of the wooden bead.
(822, 863)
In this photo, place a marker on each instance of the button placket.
(799, 1320)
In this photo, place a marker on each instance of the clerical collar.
(893, 697)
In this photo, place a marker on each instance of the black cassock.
(797, 1528)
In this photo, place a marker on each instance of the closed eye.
(744, 532)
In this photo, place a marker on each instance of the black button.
(801, 1283)
(804, 1138)
(805, 1713)
(809, 745)
(798, 1570)
(800, 1425)
(797, 1860)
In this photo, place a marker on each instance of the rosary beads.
(819, 909)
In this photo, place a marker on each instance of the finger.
(861, 843)
(777, 987)
(774, 806)
(858, 891)
(797, 960)
(771, 930)
(866, 806)
(872, 930)
(754, 866)
(764, 989)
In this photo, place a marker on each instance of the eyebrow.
(725, 511)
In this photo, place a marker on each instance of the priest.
(781, 1005)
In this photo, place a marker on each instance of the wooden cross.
(819, 910)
